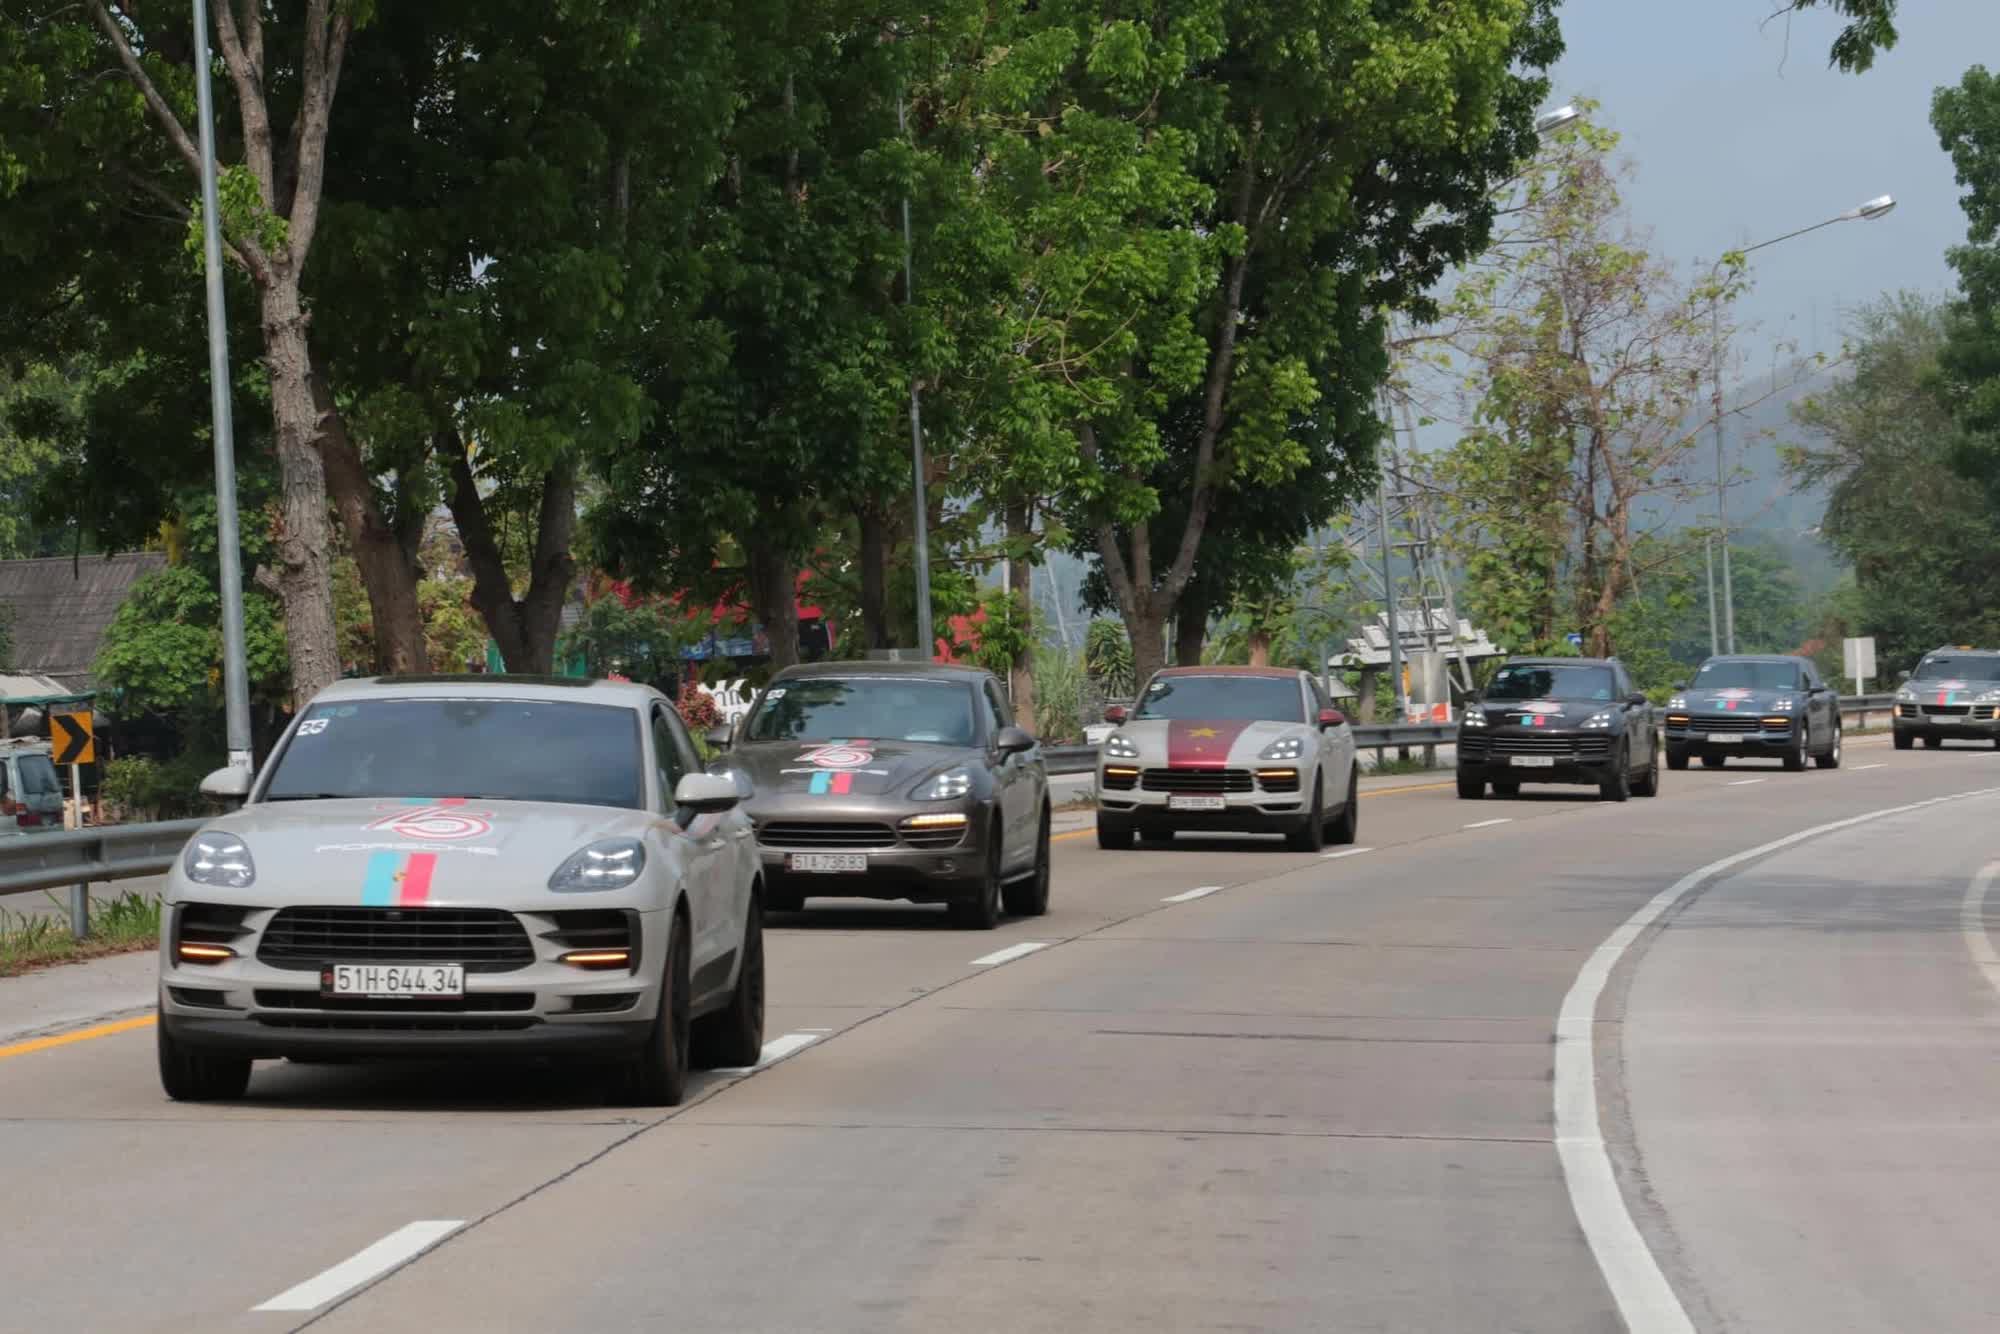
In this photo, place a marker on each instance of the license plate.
(827, 863)
(381, 980)
(1183, 803)
(1533, 761)
(1724, 739)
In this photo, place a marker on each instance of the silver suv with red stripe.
(468, 866)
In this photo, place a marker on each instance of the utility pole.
(1721, 482)
(1389, 596)
(1708, 554)
(228, 539)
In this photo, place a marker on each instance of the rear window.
(38, 776)
(494, 749)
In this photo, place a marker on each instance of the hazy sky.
(1740, 132)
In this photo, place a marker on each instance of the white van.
(31, 792)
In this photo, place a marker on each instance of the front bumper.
(930, 865)
(1962, 722)
(1730, 734)
(1537, 755)
(266, 1004)
(1269, 798)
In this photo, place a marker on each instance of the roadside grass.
(119, 925)
(1389, 768)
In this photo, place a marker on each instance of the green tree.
(1870, 30)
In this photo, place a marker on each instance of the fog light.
(939, 820)
(191, 953)
(947, 867)
(598, 958)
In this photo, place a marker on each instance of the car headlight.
(1678, 702)
(1285, 748)
(1988, 697)
(612, 863)
(1121, 747)
(1781, 706)
(947, 786)
(1906, 696)
(1475, 718)
(219, 859)
(1598, 720)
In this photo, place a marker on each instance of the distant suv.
(1743, 705)
(1954, 692)
(31, 793)
(1559, 720)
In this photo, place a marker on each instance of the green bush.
(1107, 656)
(139, 788)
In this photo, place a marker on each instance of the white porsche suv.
(440, 866)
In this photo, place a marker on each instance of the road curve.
(1229, 1087)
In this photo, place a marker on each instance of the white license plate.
(1723, 739)
(827, 863)
(1177, 802)
(1533, 761)
(379, 980)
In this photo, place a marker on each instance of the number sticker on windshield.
(314, 726)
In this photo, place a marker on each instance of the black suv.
(1559, 720)
(1955, 692)
(1739, 705)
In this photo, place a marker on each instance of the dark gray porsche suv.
(895, 781)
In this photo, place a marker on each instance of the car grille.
(595, 929)
(934, 839)
(399, 1023)
(1729, 722)
(490, 1002)
(1274, 781)
(485, 940)
(1521, 744)
(1986, 712)
(1199, 780)
(826, 834)
(1122, 779)
(1947, 710)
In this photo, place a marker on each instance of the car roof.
(1274, 673)
(1792, 658)
(1965, 652)
(1559, 662)
(576, 689)
(942, 671)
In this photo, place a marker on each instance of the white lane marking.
(1488, 824)
(815, 1030)
(1344, 852)
(1642, 1292)
(777, 1049)
(1192, 894)
(1743, 782)
(405, 1243)
(1857, 768)
(1011, 953)
(1972, 923)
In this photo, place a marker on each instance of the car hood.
(1205, 742)
(461, 852)
(1948, 689)
(1545, 713)
(1736, 699)
(857, 768)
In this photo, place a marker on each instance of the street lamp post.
(1869, 211)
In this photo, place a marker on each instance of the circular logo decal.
(434, 824)
(838, 755)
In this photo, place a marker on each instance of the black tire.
(1795, 758)
(1649, 782)
(1347, 825)
(1677, 758)
(1030, 897)
(1618, 787)
(189, 1074)
(1112, 838)
(1471, 789)
(1830, 760)
(733, 1037)
(981, 912)
(1311, 836)
(658, 1075)
(1507, 788)
(784, 899)
(1933, 743)
(1903, 740)
(1713, 761)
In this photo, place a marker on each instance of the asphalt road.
(1229, 1087)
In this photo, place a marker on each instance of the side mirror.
(1117, 713)
(1013, 741)
(707, 794)
(229, 782)
(1680, 685)
(1636, 698)
(1903, 675)
(718, 737)
(1331, 718)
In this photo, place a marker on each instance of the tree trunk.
(388, 570)
(1021, 672)
(1190, 628)
(525, 630)
(303, 536)
(1260, 647)
(1148, 631)
(1364, 694)
(774, 582)
(874, 578)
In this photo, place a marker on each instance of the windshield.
(38, 777)
(1749, 676)
(865, 708)
(1224, 699)
(1958, 669)
(1550, 681)
(496, 749)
